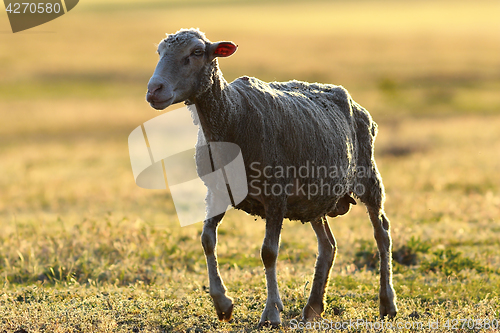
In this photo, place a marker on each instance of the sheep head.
(187, 59)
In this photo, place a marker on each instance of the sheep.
(280, 128)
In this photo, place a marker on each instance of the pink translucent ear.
(224, 49)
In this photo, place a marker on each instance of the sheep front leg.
(326, 256)
(223, 304)
(269, 253)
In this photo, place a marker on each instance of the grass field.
(83, 249)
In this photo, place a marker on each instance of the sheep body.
(296, 124)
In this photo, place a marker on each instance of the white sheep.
(282, 128)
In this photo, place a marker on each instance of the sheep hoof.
(224, 311)
(388, 310)
(271, 316)
(388, 314)
(226, 315)
(312, 312)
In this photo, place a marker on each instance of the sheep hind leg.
(223, 304)
(327, 250)
(269, 253)
(381, 226)
(387, 295)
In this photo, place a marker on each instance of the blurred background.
(73, 89)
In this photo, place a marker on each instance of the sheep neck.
(213, 105)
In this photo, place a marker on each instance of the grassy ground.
(83, 249)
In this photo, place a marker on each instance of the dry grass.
(83, 249)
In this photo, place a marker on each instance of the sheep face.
(185, 59)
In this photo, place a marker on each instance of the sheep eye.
(198, 52)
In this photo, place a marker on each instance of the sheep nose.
(159, 90)
(154, 87)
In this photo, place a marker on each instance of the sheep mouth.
(161, 105)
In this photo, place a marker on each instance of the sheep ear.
(222, 49)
